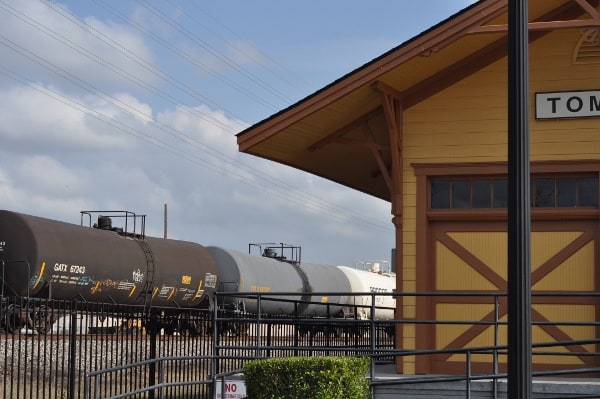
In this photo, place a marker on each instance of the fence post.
(72, 349)
(496, 342)
(258, 325)
(468, 386)
(153, 329)
(215, 347)
(373, 341)
(297, 325)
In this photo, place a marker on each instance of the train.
(98, 262)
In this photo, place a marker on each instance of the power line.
(187, 57)
(215, 52)
(298, 84)
(186, 154)
(103, 62)
(283, 187)
(275, 183)
(141, 61)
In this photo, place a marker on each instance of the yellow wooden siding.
(540, 336)
(409, 274)
(455, 274)
(467, 122)
(551, 69)
(570, 314)
(567, 313)
(545, 245)
(490, 247)
(577, 273)
(486, 338)
(470, 117)
(467, 313)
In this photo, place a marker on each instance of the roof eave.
(446, 31)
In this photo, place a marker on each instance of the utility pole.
(165, 225)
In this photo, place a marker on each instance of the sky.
(134, 104)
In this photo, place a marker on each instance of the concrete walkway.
(557, 388)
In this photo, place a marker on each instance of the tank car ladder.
(146, 292)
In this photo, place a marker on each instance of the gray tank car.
(47, 258)
(241, 272)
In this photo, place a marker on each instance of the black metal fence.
(61, 349)
(53, 349)
(240, 336)
(47, 347)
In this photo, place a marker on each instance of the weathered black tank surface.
(43, 257)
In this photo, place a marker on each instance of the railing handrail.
(367, 336)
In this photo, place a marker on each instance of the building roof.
(340, 132)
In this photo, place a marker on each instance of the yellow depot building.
(424, 126)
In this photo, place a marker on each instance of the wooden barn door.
(473, 257)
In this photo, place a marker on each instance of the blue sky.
(131, 105)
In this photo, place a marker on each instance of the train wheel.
(195, 328)
(41, 319)
(13, 319)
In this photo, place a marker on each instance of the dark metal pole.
(73, 349)
(165, 222)
(519, 222)
(153, 330)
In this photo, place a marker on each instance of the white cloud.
(128, 153)
(93, 54)
(136, 108)
(204, 125)
(47, 119)
(48, 176)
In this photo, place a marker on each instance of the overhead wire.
(181, 153)
(315, 202)
(298, 83)
(276, 184)
(137, 59)
(215, 52)
(103, 62)
(187, 57)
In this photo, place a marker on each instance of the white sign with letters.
(567, 104)
(233, 389)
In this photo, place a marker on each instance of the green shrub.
(307, 378)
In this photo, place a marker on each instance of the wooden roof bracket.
(391, 101)
(376, 151)
(336, 137)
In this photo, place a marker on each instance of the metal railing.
(495, 351)
(96, 381)
(58, 349)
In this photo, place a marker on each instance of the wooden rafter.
(337, 136)
(594, 21)
(377, 154)
(368, 143)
